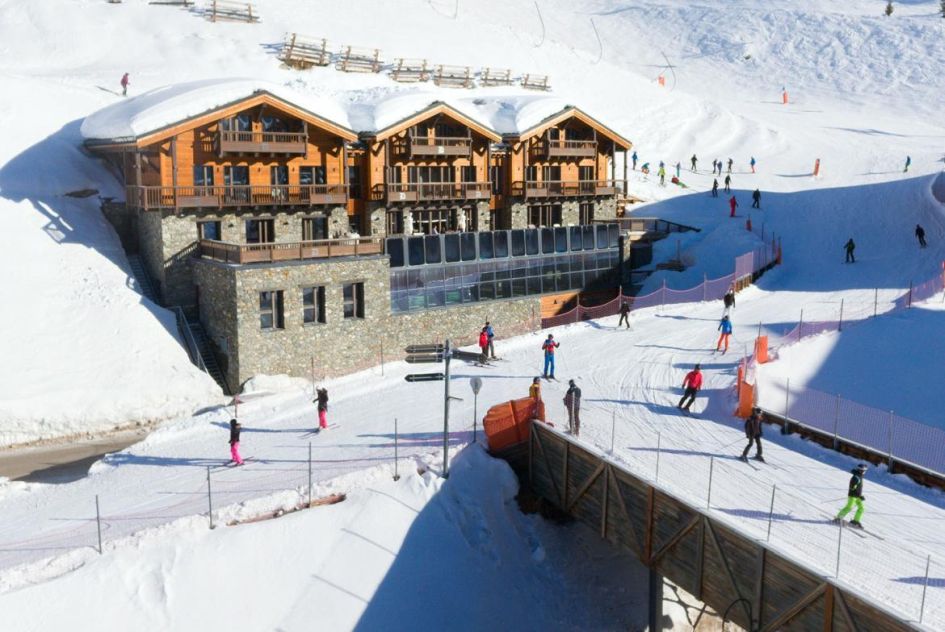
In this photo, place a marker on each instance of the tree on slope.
(889, 8)
(943, 8)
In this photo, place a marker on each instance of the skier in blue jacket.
(725, 326)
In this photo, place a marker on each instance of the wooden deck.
(439, 146)
(566, 149)
(567, 188)
(759, 588)
(283, 143)
(241, 196)
(295, 251)
(433, 191)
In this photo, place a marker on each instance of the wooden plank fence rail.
(354, 59)
(303, 52)
(536, 82)
(495, 76)
(760, 588)
(233, 11)
(453, 76)
(410, 70)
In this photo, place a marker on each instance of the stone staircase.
(209, 359)
(142, 279)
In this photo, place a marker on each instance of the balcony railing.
(230, 142)
(567, 188)
(152, 198)
(439, 146)
(568, 148)
(428, 191)
(296, 251)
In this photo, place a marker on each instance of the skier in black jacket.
(854, 497)
(729, 301)
(715, 187)
(753, 432)
(624, 314)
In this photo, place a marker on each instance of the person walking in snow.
(920, 235)
(645, 168)
(491, 333)
(572, 401)
(728, 301)
(624, 314)
(727, 181)
(718, 165)
(908, 162)
(321, 401)
(235, 428)
(725, 326)
(662, 174)
(715, 187)
(662, 164)
(753, 433)
(693, 162)
(733, 204)
(855, 497)
(678, 170)
(715, 165)
(124, 84)
(752, 163)
(534, 391)
(850, 247)
(483, 346)
(634, 159)
(691, 383)
(549, 347)
(730, 161)
(756, 199)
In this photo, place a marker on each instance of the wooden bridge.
(738, 576)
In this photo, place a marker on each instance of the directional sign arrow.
(469, 356)
(424, 349)
(424, 358)
(424, 377)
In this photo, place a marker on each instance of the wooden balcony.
(434, 191)
(287, 143)
(439, 146)
(567, 148)
(154, 198)
(567, 188)
(275, 252)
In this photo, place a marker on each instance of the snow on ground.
(421, 552)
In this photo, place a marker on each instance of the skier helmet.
(862, 467)
(571, 382)
(698, 366)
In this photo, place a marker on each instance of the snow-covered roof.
(159, 108)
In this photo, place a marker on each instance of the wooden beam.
(137, 168)
(586, 486)
(603, 503)
(567, 454)
(544, 457)
(531, 456)
(673, 541)
(648, 534)
(623, 508)
(828, 609)
(700, 557)
(758, 598)
(794, 610)
(838, 600)
(728, 569)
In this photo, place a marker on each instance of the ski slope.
(865, 91)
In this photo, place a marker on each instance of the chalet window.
(208, 230)
(278, 175)
(312, 175)
(435, 221)
(551, 173)
(586, 213)
(203, 176)
(497, 176)
(243, 123)
(586, 173)
(273, 124)
(447, 130)
(313, 304)
(354, 182)
(314, 228)
(429, 174)
(468, 174)
(531, 173)
(353, 298)
(354, 223)
(236, 179)
(260, 231)
(544, 214)
(271, 306)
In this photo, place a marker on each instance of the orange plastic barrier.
(761, 349)
(746, 396)
(507, 424)
(817, 167)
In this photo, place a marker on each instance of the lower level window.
(586, 213)
(544, 215)
(353, 295)
(271, 306)
(313, 304)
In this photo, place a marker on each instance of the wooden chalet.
(429, 172)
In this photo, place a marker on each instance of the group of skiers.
(572, 397)
(487, 342)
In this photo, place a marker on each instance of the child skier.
(692, 383)
(753, 433)
(549, 347)
(322, 401)
(854, 497)
(235, 428)
(725, 326)
(534, 391)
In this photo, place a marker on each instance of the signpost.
(433, 353)
(475, 383)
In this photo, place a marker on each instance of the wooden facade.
(758, 588)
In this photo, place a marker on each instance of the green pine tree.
(943, 8)
(889, 8)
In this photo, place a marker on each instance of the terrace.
(274, 252)
(566, 188)
(236, 142)
(157, 197)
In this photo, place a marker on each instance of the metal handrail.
(189, 341)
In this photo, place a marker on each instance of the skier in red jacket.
(124, 84)
(733, 204)
(692, 383)
(484, 344)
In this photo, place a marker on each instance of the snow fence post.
(836, 422)
(925, 587)
(659, 437)
(839, 546)
(774, 489)
(909, 303)
(800, 326)
(396, 474)
(209, 499)
(875, 301)
(708, 499)
(840, 324)
(705, 286)
(309, 473)
(785, 427)
(98, 521)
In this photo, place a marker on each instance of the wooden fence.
(354, 59)
(234, 11)
(301, 52)
(759, 588)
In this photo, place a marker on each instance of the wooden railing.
(439, 146)
(151, 198)
(568, 148)
(235, 142)
(295, 251)
(565, 188)
(423, 191)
